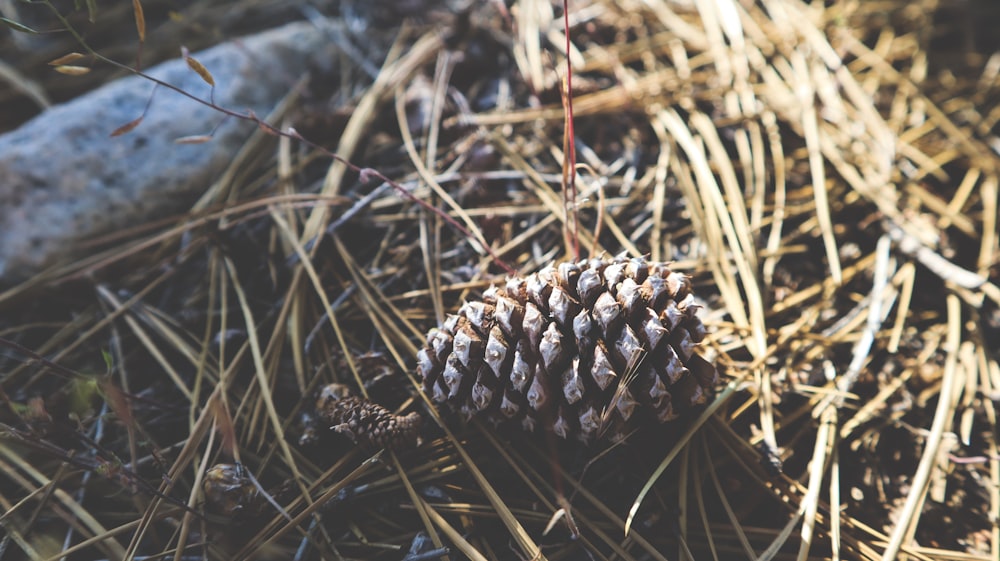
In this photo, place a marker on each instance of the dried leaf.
(117, 401)
(17, 26)
(193, 64)
(127, 127)
(140, 19)
(224, 424)
(36, 411)
(65, 59)
(193, 139)
(72, 70)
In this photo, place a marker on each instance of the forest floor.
(826, 173)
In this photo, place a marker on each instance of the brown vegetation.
(829, 182)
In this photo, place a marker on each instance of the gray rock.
(64, 179)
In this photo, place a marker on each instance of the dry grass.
(852, 321)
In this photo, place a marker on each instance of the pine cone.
(582, 349)
(366, 423)
(229, 491)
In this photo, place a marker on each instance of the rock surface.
(64, 179)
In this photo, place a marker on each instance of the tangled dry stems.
(852, 319)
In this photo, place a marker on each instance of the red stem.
(569, 148)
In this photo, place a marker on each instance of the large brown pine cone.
(583, 349)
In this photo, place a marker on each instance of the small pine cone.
(367, 424)
(578, 348)
(229, 491)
